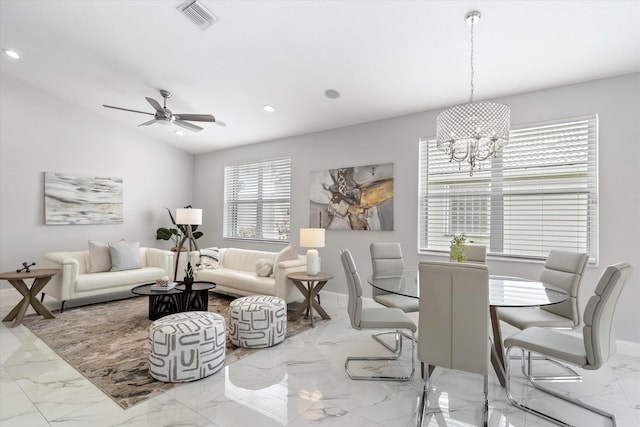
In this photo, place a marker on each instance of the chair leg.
(527, 369)
(394, 349)
(485, 408)
(551, 392)
(396, 355)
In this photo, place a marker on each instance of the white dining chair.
(590, 352)
(375, 318)
(476, 253)
(386, 257)
(453, 324)
(564, 270)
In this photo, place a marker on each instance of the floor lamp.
(187, 217)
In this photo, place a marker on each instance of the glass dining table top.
(503, 291)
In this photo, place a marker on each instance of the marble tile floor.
(300, 382)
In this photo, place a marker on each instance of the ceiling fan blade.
(148, 123)
(155, 104)
(195, 117)
(187, 125)
(127, 109)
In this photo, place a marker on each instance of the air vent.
(198, 14)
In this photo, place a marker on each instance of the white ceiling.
(386, 58)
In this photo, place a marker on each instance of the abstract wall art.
(352, 198)
(78, 199)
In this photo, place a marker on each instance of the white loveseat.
(235, 273)
(76, 281)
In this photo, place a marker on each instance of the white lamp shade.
(312, 237)
(188, 216)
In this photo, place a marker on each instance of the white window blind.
(539, 193)
(257, 199)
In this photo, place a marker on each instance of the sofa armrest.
(160, 258)
(62, 285)
(285, 287)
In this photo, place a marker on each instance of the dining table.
(504, 291)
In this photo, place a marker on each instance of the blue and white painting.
(79, 199)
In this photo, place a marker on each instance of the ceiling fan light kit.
(475, 131)
(163, 115)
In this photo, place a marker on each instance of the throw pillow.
(287, 254)
(125, 256)
(99, 257)
(264, 267)
(209, 257)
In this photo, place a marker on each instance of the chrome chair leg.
(551, 392)
(396, 355)
(378, 338)
(571, 377)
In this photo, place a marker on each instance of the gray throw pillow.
(264, 267)
(125, 256)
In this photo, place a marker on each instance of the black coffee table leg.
(163, 305)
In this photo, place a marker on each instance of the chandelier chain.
(472, 70)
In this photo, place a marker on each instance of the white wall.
(40, 132)
(395, 140)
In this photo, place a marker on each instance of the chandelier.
(475, 131)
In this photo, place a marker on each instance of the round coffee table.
(176, 300)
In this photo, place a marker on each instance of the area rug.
(108, 344)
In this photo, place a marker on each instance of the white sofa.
(75, 280)
(235, 273)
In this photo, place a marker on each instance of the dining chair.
(589, 352)
(375, 318)
(564, 270)
(386, 257)
(476, 253)
(453, 323)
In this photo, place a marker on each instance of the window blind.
(539, 193)
(257, 200)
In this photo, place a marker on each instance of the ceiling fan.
(164, 116)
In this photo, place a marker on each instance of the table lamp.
(188, 217)
(312, 238)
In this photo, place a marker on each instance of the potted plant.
(177, 234)
(188, 275)
(458, 248)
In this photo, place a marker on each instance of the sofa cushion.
(240, 280)
(244, 259)
(125, 256)
(99, 257)
(115, 279)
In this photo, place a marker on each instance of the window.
(539, 193)
(257, 200)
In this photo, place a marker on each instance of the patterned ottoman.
(186, 346)
(257, 321)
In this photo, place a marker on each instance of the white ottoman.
(257, 321)
(186, 346)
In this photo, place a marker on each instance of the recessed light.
(269, 108)
(332, 94)
(179, 132)
(11, 53)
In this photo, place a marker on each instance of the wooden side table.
(310, 289)
(41, 278)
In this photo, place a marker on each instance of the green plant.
(176, 234)
(458, 248)
(188, 271)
